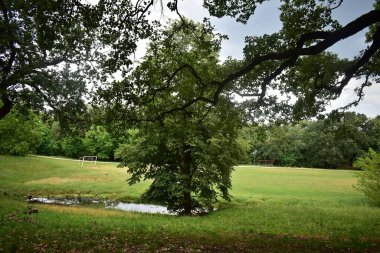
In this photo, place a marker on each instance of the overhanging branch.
(327, 39)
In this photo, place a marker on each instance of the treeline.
(23, 133)
(318, 144)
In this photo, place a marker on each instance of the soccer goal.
(88, 158)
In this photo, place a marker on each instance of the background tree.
(51, 139)
(332, 143)
(98, 141)
(321, 148)
(337, 143)
(376, 132)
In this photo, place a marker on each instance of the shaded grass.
(276, 210)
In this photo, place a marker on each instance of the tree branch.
(321, 41)
(291, 55)
(50, 103)
(360, 96)
(369, 52)
(181, 108)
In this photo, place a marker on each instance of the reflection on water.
(69, 202)
(128, 207)
(141, 208)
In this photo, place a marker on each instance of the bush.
(369, 178)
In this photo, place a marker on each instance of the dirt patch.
(65, 180)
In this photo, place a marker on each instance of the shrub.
(369, 178)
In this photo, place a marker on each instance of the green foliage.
(50, 139)
(20, 134)
(188, 151)
(242, 9)
(284, 145)
(369, 178)
(98, 141)
(39, 35)
(299, 17)
(338, 143)
(72, 146)
(294, 60)
(321, 143)
(99, 39)
(185, 157)
(313, 73)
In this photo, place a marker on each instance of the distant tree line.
(324, 143)
(316, 144)
(22, 133)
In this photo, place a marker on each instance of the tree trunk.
(186, 171)
(6, 108)
(187, 203)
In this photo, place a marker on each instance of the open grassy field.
(273, 210)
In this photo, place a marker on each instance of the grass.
(273, 210)
(41, 176)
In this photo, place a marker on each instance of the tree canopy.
(37, 36)
(294, 60)
(189, 153)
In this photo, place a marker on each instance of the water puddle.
(68, 202)
(128, 207)
(141, 208)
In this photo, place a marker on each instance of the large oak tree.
(189, 153)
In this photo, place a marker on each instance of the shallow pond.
(141, 208)
(128, 207)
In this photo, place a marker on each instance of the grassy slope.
(272, 210)
(41, 176)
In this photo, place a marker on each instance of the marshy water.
(128, 207)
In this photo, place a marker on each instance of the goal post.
(88, 158)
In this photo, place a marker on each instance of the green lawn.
(272, 210)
